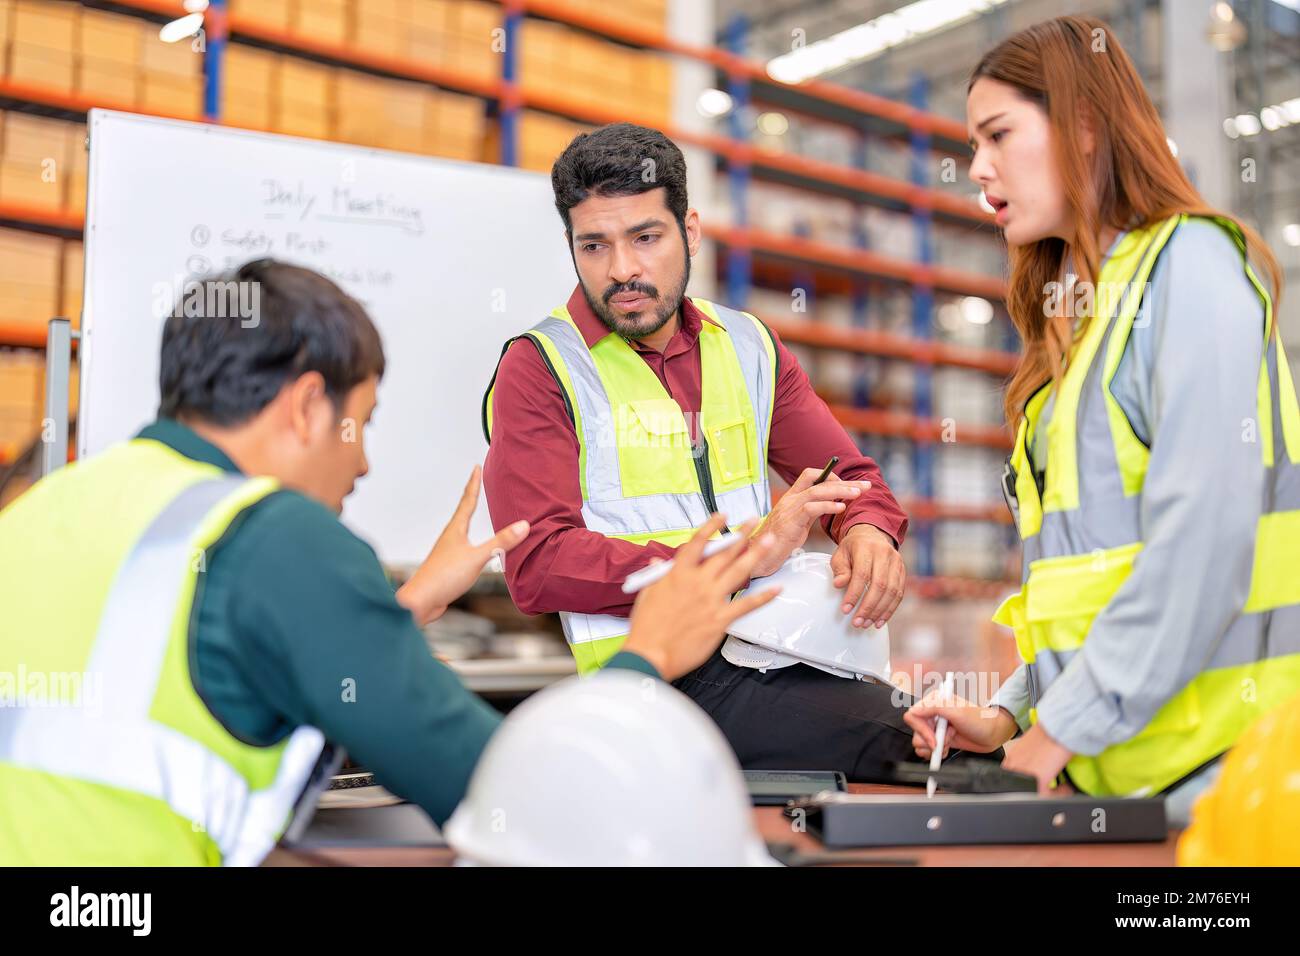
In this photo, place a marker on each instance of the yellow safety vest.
(1082, 535)
(642, 479)
(108, 756)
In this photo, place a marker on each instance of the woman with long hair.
(1155, 476)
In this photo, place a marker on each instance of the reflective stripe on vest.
(1083, 535)
(637, 466)
(116, 742)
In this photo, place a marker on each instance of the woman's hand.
(1041, 757)
(678, 621)
(970, 727)
(454, 564)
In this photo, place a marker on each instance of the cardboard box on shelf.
(34, 138)
(248, 78)
(309, 125)
(78, 149)
(107, 83)
(20, 383)
(35, 161)
(378, 27)
(467, 150)
(51, 25)
(550, 52)
(558, 61)
(475, 57)
(179, 59)
(305, 87)
(388, 9)
(26, 183)
(273, 15)
(108, 59)
(362, 103)
(303, 99)
(404, 116)
(323, 21)
(26, 306)
(547, 44)
(454, 126)
(476, 20)
(435, 15)
(462, 115)
(655, 81)
(429, 47)
(250, 68)
(379, 36)
(357, 92)
(22, 399)
(602, 62)
(42, 66)
(172, 94)
(78, 160)
(542, 138)
(29, 276)
(649, 15)
(74, 266)
(107, 38)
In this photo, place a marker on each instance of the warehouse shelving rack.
(751, 254)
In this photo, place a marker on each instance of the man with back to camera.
(224, 627)
(633, 410)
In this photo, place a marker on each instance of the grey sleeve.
(1188, 383)
(1014, 696)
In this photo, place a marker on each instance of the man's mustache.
(640, 288)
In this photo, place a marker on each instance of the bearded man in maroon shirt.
(604, 498)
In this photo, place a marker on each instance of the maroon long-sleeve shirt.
(531, 470)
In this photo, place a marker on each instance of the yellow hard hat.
(1248, 817)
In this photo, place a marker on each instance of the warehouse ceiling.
(1265, 71)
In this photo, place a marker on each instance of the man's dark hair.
(619, 160)
(234, 340)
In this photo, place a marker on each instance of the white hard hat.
(803, 624)
(619, 769)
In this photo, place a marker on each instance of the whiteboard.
(449, 258)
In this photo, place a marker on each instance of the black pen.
(835, 460)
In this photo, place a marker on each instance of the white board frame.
(538, 284)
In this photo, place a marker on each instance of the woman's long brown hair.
(1074, 67)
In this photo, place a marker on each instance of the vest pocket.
(1181, 713)
(654, 423)
(1064, 595)
(731, 444)
(653, 448)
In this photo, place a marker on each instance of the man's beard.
(630, 325)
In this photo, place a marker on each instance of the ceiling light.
(773, 124)
(976, 311)
(713, 103)
(180, 29)
(875, 36)
(1247, 124)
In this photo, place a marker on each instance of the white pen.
(940, 732)
(648, 576)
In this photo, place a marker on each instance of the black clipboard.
(859, 820)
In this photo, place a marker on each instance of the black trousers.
(802, 718)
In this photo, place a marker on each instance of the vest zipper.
(702, 471)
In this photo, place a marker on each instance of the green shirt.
(298, 624)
